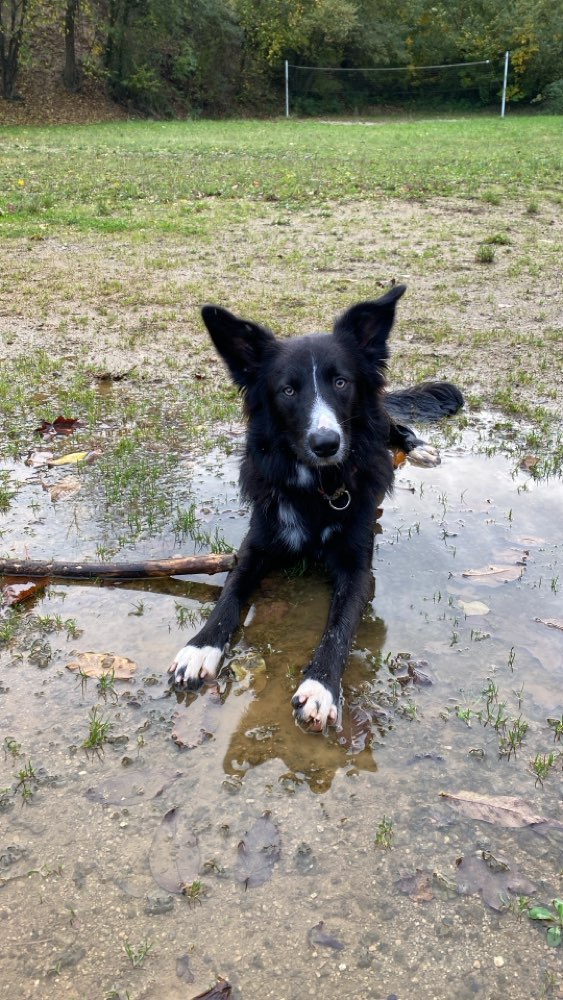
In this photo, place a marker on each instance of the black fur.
(317, 465)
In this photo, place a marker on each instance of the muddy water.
(361, 894)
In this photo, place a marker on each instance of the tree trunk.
(12, 21)
(71, 75)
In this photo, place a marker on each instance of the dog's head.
(311, 387)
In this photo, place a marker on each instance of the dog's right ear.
(240, 343)
(369, 323)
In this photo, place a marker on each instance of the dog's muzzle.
(324, 443)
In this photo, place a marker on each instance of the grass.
(136, 177)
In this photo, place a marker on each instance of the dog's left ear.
(369, 323)
(240, 343)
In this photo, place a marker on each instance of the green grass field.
(145, 176)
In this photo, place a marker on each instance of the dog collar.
(340, 494)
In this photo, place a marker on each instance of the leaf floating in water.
(174, 855)
(258, 853)
(494, 575)
(317, 938)
(72, 459)
(221, 991)
(550, 622)
(61, 425)
(131, 786)
(470, 608)
(120, 668)
(38, 458)
(197, 722)
(66, 487)
(494, 882)
(502, 810)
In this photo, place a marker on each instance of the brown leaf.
(16, 590)
(174, 857)
(502, 810)
(494, 883)
(419, 886)
(221, 991)
(96, 664)
(258, 853)
(64, 488)
(61, 425)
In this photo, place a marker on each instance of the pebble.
(499, 961)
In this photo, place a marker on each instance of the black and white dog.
(317, 465)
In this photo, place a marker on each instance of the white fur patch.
(424, 455)
(291, 528)
(304, 475)
(323, 417)
(192, 663)
(313, 703)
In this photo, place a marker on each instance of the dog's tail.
(426, 401)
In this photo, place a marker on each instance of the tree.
(13, 15)
(71, 76)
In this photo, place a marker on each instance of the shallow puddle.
(145, 870)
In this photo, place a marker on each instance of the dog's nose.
(324, 442)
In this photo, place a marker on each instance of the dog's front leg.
(316, 700)
(200, 659)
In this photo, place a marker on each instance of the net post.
(504, 83)
(286, 89)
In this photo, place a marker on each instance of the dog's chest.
(298, 529)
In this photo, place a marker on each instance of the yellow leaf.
(72, 459)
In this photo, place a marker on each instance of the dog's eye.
(288, 390)
(340, 382)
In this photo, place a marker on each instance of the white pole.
(504, 83)
(286, 89)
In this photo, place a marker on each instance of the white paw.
(424, 455)
(313, 704)
(193, 664)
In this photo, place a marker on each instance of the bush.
(553, 97)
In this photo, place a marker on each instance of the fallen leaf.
(65, 488)
(495, 884)
(61, 425)
(221, 991)
(318, 938)
(502, 810)
(356, 728)
(419, 886)
(183, 969)
(96, 664)
(470, 608)
(174, 857)
(130, 786)
(195, 723)
(72, 459)
(550, 622)
(529, 462)
(258, 853)
(493, 575)
(16, 590)
(36, 459)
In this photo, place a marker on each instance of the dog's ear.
(240, 343)
(369, 323)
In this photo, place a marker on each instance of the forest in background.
(225, 57)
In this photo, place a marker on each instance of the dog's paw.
(194, 664)
(314, 705)
(425, 455)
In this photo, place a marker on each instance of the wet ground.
(147, 868)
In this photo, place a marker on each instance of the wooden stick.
(178, 566)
